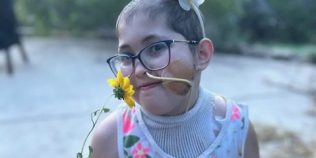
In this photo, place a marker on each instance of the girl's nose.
(140, 70)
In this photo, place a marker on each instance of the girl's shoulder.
(104, 140)
(223, 107)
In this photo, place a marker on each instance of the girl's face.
(158, 97)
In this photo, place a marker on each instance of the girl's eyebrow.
(152, 38)
(145, 41)
(124, 48)
(149, 38)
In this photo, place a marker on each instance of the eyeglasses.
(155, 56)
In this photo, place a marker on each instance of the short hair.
(179, 20)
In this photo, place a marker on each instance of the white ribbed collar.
(163, 121)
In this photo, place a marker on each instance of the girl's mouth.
(148, 86)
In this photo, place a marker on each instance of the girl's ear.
(204, 52)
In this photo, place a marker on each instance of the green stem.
(93, 124)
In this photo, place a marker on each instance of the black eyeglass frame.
(137, 56)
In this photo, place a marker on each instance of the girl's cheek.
(179, 69)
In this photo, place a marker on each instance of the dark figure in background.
(8, 33)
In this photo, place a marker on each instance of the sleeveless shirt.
(136, 141)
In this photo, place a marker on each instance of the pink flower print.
(235, 113)
(140, 151)
(127, 123)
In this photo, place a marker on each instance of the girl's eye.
(157, 47)
(155, 51)
(126, 60)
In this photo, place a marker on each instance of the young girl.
(163, 50)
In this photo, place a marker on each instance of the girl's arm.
(104, 140)
(251, 147)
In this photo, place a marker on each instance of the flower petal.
(112, 82)
(146, 150)
(127, 123)
(126, 83)
(139, 146)
(129, 92)
(119, 77)
(130, 102)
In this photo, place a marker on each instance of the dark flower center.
(118, 93)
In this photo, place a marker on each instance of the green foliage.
(79, 155)
(69, 15)
(312, 56)
(280, 20)
(221, 20)
(228, 22)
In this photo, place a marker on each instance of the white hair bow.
(187, 4)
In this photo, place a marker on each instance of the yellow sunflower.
(123, 89)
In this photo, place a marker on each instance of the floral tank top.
(135, 141)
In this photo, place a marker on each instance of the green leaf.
(90, 152)
(147, 156)
(125, 153)
(105, 110)
(130, 140)
(95, 113)
(79, 155)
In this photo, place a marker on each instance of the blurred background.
(53, 71)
